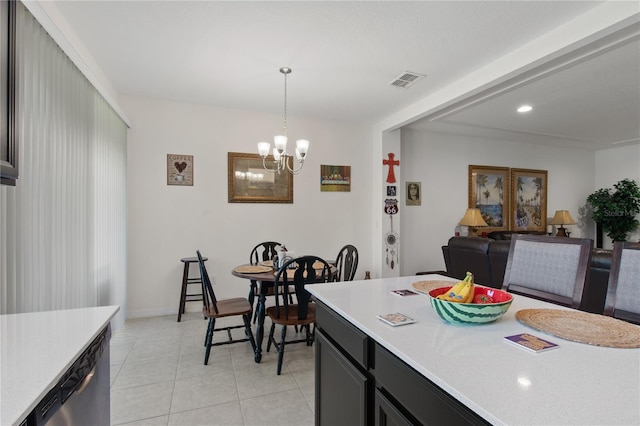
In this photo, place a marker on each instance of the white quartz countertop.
(37, 348)
(575, 384)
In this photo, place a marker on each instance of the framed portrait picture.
(249, 182)
(489, 192)
(179, 169)
(529, 199)
(414, 194)
(335, 178)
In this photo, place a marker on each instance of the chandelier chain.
(285, 104)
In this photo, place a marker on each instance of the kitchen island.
(432, 371)
(37, 349)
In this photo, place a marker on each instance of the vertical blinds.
(63, 227)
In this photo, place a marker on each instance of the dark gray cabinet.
(359, 382)
(341, 398)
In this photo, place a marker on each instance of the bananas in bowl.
(467, 303)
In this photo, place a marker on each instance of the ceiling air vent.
(406, 79)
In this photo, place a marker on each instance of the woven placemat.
(268, 263)
(427, 286)
(252, 269)
(582, 327)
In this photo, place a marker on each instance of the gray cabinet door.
(341, 389)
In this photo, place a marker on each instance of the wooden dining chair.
(553, 269)
(267, 252)
(623, 292)
(347, 263)
(308, 270)
(214, 309)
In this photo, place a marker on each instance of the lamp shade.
(562, 217)
(473, 217)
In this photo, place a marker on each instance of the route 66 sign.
(391, 206)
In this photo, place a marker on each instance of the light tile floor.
(158, 377)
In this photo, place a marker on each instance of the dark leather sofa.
(487, 259)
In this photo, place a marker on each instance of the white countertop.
(37, 348)
(575, 384)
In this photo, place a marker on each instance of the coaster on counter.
(427, 286)
(582, 327)
(404, 292)
(396, 319)
(252, 269)
(531, 342)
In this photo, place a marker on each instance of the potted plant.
(615, 210)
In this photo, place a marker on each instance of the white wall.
(440, 162)
(613, 165)
(166, 223)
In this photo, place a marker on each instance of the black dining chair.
(214, 309)
(623, 292)
(347, 263)
(308, 270)
(266, 253)
(553, 269)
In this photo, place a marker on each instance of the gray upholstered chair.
(623, 293)
(553, 269)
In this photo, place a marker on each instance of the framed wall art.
(335, 178)
(414, 194)
(179, 169)
(489, 192)
(529, 200)
(249, 182)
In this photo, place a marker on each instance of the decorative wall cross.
(391, 177)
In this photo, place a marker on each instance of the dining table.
(261, 279)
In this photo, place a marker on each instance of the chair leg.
(271, 338)
(207, 342)
(281, 348)
(247, 330)
(252, 295)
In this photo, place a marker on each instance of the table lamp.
(562, 217)
(473, 219)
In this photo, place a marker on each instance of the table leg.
(260, 310)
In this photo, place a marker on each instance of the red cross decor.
(391, 177)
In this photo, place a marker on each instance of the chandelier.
(281, 160)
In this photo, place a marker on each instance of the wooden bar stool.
(186, 280)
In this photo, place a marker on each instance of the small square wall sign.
(179, 169)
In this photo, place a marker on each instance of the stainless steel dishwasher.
(82, 395)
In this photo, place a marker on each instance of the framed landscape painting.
(489, 192)
(529, 200)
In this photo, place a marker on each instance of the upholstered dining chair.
(308, 270)
(214, 309)
(623, 292)
(347, 263)
(267, 253)
(553, 269)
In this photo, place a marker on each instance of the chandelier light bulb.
(264, 148)
(280, 142)
(302, 145)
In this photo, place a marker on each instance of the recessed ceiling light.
(525, 108)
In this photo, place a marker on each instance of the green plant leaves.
(616, 209)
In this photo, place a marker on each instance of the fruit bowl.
(471, 313)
